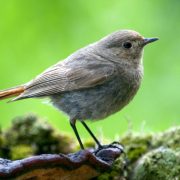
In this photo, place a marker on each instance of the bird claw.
(113, 145)
(117, 145)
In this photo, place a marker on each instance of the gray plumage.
(95, 81)
(92, 83)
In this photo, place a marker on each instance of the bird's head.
(125, 45)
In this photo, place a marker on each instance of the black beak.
(149, 40)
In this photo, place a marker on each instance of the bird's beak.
(149, 40)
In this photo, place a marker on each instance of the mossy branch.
(148, 156)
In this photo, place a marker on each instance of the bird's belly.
(95, 103)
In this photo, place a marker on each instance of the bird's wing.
(64, 77)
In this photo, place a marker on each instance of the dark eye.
(127, 45)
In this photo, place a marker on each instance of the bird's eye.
(127, 45)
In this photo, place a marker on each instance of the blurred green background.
(36, 34)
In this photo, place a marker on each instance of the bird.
(92, 83)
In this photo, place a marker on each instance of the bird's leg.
(92, 135)
(100, 147)
(73, 125)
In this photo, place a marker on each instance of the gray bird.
(92, 83)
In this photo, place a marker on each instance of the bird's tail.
(16, 91)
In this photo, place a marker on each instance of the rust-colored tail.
(11, 92)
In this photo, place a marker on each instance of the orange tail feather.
(11, 92)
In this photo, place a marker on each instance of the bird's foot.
(110, 152)
(113, 146)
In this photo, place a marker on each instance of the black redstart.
(92, 83)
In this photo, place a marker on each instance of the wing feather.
(64, 77)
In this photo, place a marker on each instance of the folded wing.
(65, 77)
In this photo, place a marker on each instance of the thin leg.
(76, 133)
(92, 135)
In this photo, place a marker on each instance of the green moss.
(1, 143)
(136, 145)
(148, 156)
(161, 164)
(31, 131)
(145, 160)
(169, 138)
(21, 151)
(117, 171)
